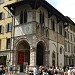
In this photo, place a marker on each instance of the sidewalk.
(19, 74)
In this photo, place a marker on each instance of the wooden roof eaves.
(72, 23)
(45, 4)
(54, 11)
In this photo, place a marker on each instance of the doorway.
(23, 53)
(40, 53)
(53, 59)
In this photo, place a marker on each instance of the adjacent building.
(5, 32)
(70, 43)
(40, 35)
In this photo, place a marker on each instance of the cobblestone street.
(18, 74)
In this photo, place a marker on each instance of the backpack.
(11, 68)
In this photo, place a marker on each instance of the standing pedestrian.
(3, 70)
(70, 71)
(0, 69)
(10, 69)
(34, 70)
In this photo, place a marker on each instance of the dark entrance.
(53, 63)
(53, 59)
(23, 49)
(39, 54)
(3, 60)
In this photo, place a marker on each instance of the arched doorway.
(40, 53)
(53, 59)
(23, 52)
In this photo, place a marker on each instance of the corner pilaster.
(33, 56)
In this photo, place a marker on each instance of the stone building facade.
(70, 43)
(38, 34)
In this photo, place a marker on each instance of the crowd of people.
(4, 70)
(43, 70)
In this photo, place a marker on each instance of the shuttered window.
(1, 15)
(1, 1)
(9, 13)
(9, 27)
(8, 43)
(1, 29)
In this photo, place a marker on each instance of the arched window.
(21, 17)
(52, 24)
(43, 18)
(40, 17)
(25, 16)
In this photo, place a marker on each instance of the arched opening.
(53, 59)
(23, 52)
(40, 53)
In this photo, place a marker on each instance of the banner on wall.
(20, 57)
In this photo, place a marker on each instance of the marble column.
(33, 56)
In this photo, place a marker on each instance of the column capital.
(32, 49)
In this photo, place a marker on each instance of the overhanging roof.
(70, 20)
(45, 4)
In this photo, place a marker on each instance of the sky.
(66, 7)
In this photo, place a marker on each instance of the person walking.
(10, 70)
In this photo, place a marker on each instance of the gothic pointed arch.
(40, 53)
(25, 16)
(23, 52)
(21, 17)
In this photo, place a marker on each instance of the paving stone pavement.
(18, 74)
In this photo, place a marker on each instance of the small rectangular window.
(1, 29)
(9, 27)
(52, 24)
(1, 1)
(9, 13)
(8, 43)
(1, 15)
(60, 29)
